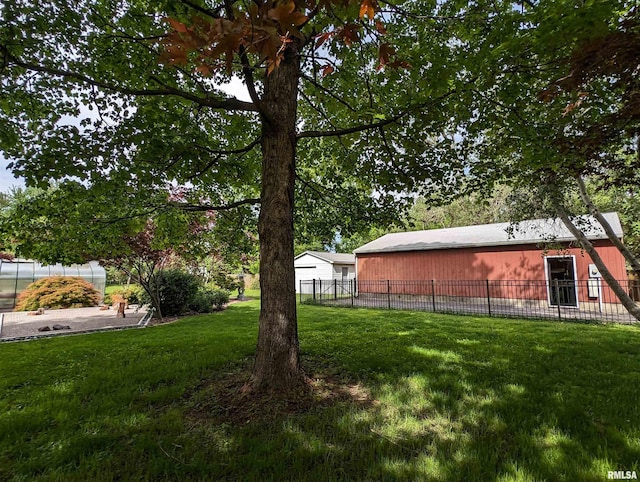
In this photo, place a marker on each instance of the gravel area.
(21, 325)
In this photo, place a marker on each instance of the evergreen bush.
(175, 290)
(220, 298)
(207, 300)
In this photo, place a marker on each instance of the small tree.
(141, 261)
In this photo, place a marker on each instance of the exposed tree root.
(230, 399)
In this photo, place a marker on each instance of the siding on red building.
(513, 266)
(465, 257)
(494, 263)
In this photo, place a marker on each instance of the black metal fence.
(579, 300)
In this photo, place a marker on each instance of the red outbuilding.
(523, 261)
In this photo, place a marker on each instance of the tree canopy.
(126, 94)
(561, 105)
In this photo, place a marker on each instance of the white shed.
(324, 266)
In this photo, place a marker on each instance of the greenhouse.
(17, 274)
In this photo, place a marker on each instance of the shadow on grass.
(452, 398)
(482, 399)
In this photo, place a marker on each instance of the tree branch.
(325, 117)
(114, 220)
(232, 104)
(247, 71)
(219, 153)
(317, 109)
(209, 13)
(631, 259)
(327, 91)
(209, 207)
(374, 125)
(352, 130)
(152, 209)
(625, 299)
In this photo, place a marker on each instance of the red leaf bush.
(57, 292)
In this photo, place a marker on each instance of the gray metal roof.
(526, 232)
(333, 258)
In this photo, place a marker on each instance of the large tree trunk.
(277, 364)
(628, 255)
(625, 299)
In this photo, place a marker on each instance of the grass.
(452, 398)
(109, 290)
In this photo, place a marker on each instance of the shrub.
(207, 300)
(133, 294)
(57, 292)
(175, 290)
(220, 298)
(226, 281)
(179, 292)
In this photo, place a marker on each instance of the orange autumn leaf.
(385, 52)
(177, 25)
(349, 34)
(264, 29)
(287, 15)
(322, 38)
(327, 70)
(204, 69)
(574, 105)
(368, 8)
(399, 64)
(174, 54)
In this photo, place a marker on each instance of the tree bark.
(625, 299)
(277, 366)
(631, 259)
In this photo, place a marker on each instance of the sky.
(7, 180)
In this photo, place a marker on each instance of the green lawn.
(453, 398)
(111, 288)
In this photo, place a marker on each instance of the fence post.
(335, 289)
(314, 289)
(557, 289)
(352, 288)
(488, 298)
(433, 294)
(389, 294)
(320, 284)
